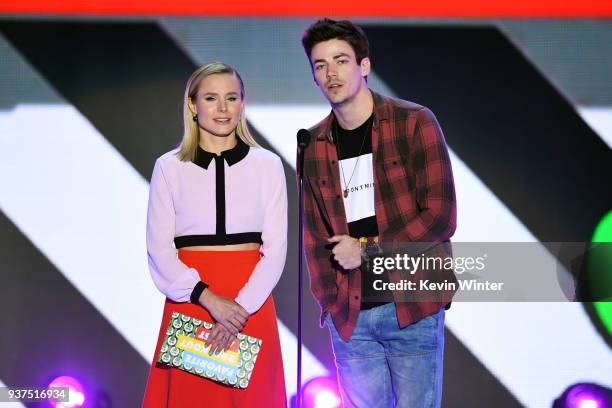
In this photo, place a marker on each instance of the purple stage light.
(584, 395)
(321, 392)
(76, 393)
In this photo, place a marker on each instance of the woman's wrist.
(197, 291)
(206, 297)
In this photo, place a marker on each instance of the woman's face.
(218, 104)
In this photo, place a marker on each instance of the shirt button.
(356, 297)
(394, 163)
(338, 196)
(333, 162)
(323, 182)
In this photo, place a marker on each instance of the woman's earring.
(195, 118)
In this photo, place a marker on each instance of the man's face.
(336, 71)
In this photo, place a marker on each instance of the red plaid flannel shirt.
(415, 202)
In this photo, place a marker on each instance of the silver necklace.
(347, 185)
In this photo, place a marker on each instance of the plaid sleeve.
(435, 191)
(322, 274)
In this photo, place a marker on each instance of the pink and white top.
(237, 197)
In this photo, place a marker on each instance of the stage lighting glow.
(588, 403)
(321, 392)
(603, 233)
(76, 393)
(326, 399)
(584, 395)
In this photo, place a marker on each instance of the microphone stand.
(303, 140)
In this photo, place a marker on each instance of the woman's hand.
(226, 312)
(220, 339)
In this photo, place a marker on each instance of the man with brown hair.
(377, 171)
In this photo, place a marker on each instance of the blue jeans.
(385, 366)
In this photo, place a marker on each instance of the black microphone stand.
(303, 137)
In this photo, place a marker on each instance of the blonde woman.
(217, 241)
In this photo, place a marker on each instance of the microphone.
(303, 138)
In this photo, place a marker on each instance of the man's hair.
(327, 29)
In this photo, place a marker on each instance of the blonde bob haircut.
(191, 133)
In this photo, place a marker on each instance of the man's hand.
(347, 251)
(226, 312)
(219, 339)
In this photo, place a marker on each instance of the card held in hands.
(184, 348)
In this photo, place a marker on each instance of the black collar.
(231, 156)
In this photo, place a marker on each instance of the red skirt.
(226, 272)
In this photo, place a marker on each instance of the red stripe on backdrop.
(284, 8)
